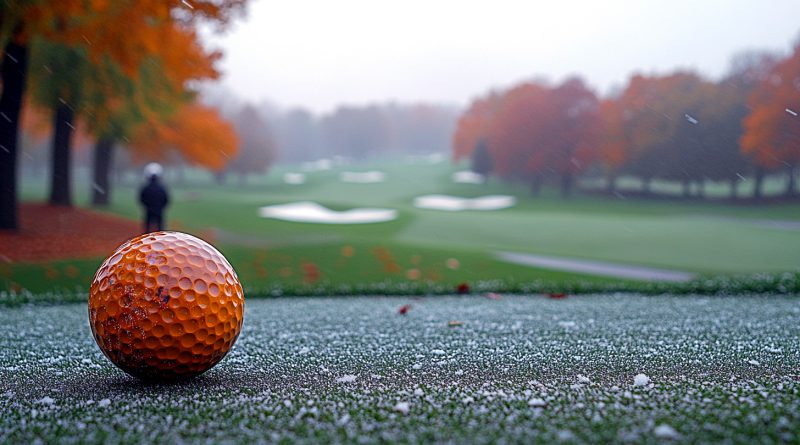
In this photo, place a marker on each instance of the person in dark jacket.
(154, 198)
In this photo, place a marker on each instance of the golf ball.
(165, 306)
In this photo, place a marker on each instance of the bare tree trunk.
(60, 185)
(758, 189)
(14, 72)
(536, 185)
(611, 183)
(103, 158)
(792, 185)
(566, 185)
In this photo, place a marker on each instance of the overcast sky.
(321, 53)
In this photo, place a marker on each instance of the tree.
(772, 129)
(482, 160)
(118, 103)
(473, 126)
(613, 145)
(540, 130)
(256, 151)
(196, 132)
(355, 132)
(124, 31)
(297, 137)
(663, 119)
(13, 74)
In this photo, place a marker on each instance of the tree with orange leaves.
(196, 132)
(664, 121)
(118, 104)
(539, 130)
(122, 31)
(613, 142)
(472, 126)
(772, 129)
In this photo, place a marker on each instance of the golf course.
(563, 332)
(424, 250)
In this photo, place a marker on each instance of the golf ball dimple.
(165, 306)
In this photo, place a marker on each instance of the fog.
(320, 55)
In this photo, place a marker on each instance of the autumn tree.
(663, 120)
(197, 132)
(613, 142)
(540, 131)
(772, 129)
(124, 31)
(118, 104)
(482, 163)
(473, 126)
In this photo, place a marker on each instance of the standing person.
(154, 198)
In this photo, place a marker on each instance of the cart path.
(595, 267)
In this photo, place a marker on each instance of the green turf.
(708, 239)
(523, 369)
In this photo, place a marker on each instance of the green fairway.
(522, 369)
(703, 238)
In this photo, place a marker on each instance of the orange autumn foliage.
(127, 31)
(772, 129)
(197, 132)
(473, 125)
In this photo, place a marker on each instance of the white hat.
(153, 169)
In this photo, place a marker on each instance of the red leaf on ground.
(50, 233)
(556, 296)
(462, 289)
(404, 309)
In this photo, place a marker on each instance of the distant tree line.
(679, 127)
(363, 132)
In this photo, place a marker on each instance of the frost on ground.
(352, 369)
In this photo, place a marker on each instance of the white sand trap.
(318, 165)
(468, 177)
(363, 177)
(311, 212)
(294, 178)
(455, 204)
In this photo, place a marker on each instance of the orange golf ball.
(166, 306)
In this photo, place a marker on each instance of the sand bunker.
(294, 178)
(455, 204)
(318, 165)
(363, 177)
(468, 177)
(311, 212)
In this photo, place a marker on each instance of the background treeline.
(677, 127)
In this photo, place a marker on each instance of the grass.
(709, 239)
(524, 369)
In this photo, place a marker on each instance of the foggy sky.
(320, 53)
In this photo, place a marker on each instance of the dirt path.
(50, 233)
(595, 267)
